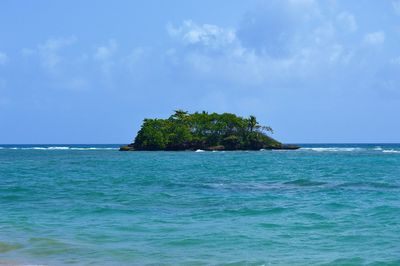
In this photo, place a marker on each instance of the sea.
(324, 204)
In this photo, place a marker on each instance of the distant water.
(93, 205)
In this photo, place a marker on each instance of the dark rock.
(216, 148)
(289, 147)
(127, 148)
(130, 147)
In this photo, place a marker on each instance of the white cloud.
(78, 69)
(62, 71)
(396, 6)
(49, 51)
(105, 55)
(229, 60)
(208, 35)
(347, 21)
(106, 52)
(3, 58)
(55, 44)
(375, 38)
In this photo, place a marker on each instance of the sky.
(90, 71)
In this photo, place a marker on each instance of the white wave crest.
(391, 151)
(199, 150)
(61, 148)
(332, 149)
(40, 148)
(58, 148)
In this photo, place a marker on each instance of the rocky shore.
(131, 147)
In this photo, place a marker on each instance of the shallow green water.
(322, 205)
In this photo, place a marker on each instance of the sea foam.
(332, 149)
(391, 151)
(55, 148)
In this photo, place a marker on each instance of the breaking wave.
(333, 149)
(391, 151)
(59, 148)
(351, 149)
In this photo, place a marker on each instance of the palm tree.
(179, 114)
(268, 129)
(252, 123)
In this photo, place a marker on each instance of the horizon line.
(299, 143)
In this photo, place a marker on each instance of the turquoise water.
(94, 205)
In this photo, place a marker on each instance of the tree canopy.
(185, 131)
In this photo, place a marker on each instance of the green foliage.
(182, 131)
(231, 142)
(152, 135)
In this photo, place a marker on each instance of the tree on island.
(185, 131)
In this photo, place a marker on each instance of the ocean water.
(93, 205)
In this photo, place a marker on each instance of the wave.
(49, 148)
(60, 148)
(391, 151)
(313, 149)
(350, 149)
(333, 149)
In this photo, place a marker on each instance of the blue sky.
(90, 71)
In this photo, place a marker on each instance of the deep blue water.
(325, 204)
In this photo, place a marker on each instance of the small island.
(204, 131)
